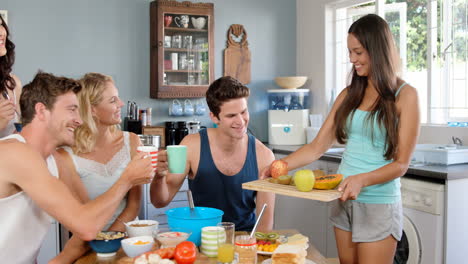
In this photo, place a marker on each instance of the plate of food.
(267, 242)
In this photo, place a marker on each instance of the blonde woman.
(101, 153)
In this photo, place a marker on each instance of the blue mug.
(200, 108)
(188, 108)
(175, 109)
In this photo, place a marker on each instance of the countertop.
(91, 258)
(433, 172)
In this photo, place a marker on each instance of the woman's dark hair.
(375, 36)
(6, 62)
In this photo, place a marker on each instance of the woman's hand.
(265, 172)
(163, 167)
(7, 112)
(351, 187)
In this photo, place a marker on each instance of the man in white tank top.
(28, 191)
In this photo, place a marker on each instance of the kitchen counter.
(91, 258)
(434, 172)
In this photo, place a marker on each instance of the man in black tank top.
(220, 159)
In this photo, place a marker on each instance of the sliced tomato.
(165, 253)
(185, 253)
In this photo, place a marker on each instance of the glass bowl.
(170, 237)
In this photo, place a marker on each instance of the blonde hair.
(93, 85)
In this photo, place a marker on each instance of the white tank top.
(23, 224)
(98, 177)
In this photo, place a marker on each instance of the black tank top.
(211, 188)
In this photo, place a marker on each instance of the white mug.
(182, 21)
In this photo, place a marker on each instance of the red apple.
(278, 168)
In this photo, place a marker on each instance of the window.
(441, 78)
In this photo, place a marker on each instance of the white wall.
(311, 61)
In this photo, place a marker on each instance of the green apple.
(304, 180)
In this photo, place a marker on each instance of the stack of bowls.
(209, 240)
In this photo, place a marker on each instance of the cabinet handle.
(160, 43)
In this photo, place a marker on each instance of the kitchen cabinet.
(148, 211)
(311, 218)
(182, 48)
(50, 245)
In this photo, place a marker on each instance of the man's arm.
(165, 185)
(84, 220)
(264, 158)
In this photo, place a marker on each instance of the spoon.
(258, 220)
(190, 200)
(193, 213)
(7, 97)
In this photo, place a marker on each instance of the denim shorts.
(368, 222)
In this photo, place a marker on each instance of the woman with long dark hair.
(10, 85)
(377, 118)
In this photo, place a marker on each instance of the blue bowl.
(195, 221)
(106, 247)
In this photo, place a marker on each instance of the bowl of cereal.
(135, 246)
(107, 243)
(170, 237)
(141, 227)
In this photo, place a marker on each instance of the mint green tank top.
(364, 153)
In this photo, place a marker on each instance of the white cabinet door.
(148, 211)
(50, 245)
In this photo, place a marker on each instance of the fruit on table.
(304, 180)
(260, 236)
(319, 173)
(273, 180)
(284, 179)
(272, 236)
(185, 252)
(267, 247)
(278, 168)
(327, 182)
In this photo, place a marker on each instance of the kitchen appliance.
(194, 127)
(150, 140)
(423, 222)
(171, 133)
(288, 116)
(131, 121)
(182, 131)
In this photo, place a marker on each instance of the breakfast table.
(121, 258)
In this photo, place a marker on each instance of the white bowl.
(141, 227)
(290, 82)
(132, 250)
(170, 237)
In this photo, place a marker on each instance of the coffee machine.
(288, 116)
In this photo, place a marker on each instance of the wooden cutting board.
(289, 190)
(237, 55)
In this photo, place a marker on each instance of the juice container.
(226, 253)
(245, 249)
